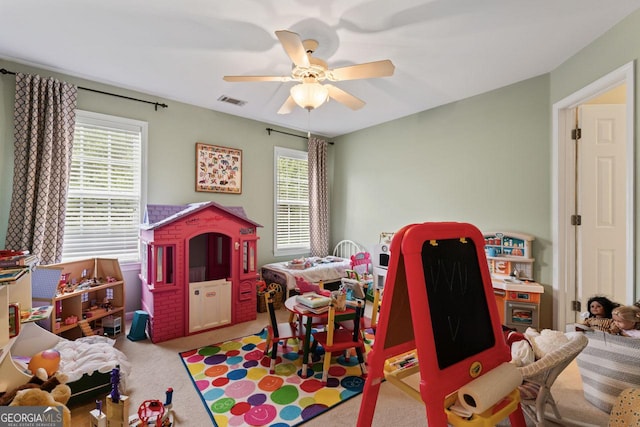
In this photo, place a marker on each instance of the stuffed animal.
(47, 359)
(54, 384)
(304, 287)
(37, 397)
(521, 350)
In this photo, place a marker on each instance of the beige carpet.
(155, 367)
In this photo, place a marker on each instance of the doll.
(626, 321)
(600, 309)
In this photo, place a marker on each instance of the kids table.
(312, 319)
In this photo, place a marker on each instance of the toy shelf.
(96, 280)
(18, 291)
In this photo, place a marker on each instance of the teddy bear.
(55, 384)
(37, 397)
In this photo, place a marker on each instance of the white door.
(601, 192)
(209, 304)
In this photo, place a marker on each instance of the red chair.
(372, 322)
(335, 340)
(367, 322)
(277, 332)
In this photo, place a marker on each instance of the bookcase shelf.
(97, 280)
(18, 291)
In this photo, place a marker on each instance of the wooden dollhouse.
(199, 268)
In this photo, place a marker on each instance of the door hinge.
(576, 220)
(576, 133)
(576, 306)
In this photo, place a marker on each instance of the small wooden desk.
(291, 305)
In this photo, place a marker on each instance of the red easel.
(438, 302)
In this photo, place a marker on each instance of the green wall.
(484, 160)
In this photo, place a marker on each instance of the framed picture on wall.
(14, 320)
(218, 169)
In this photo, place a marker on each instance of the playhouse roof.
(159, 215)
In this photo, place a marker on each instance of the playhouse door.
(209, 304)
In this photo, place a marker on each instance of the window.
(105, 188)
(291, 230)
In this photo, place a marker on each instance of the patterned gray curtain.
(318, 197)
(44, 121)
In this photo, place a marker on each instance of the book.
(303, 309)
(36, 313)
(11, 274)
(17, 261)
(313, 300)
(8, 252)
(319, 310)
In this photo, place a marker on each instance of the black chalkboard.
(460, 315)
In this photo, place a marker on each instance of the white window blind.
(291, 202)
(105, 188)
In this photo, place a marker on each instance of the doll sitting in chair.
(599, 314)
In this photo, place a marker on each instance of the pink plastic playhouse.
(198, 268)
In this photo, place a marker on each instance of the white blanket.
(90, 354)
(327, 269)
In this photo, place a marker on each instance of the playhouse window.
(164, 265)
(248, 256)
(145, 254)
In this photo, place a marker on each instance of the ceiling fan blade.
(292, 44)
(369, 70)
(288, 106)
(344, 97)
(257, 78)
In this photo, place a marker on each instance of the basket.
(277, 298)
(608, 365)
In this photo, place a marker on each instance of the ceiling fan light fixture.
(309, 95)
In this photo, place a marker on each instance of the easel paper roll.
(487, 390)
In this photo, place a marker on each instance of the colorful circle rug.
(235, 385)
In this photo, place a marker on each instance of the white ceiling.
(443, 50)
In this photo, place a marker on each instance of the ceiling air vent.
(233, 101)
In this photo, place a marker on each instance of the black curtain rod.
(269, 130)
(155, 104)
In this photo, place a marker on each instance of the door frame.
(562, 199)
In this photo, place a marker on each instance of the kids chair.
(277, 332)
(539, 376)
(336, 339)
(367, 322)
(372, 321)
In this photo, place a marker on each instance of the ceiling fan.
(310, 71)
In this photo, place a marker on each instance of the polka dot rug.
(235, 385)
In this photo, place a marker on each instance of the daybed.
(87, 361)
(608, 365)
(326, 270)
